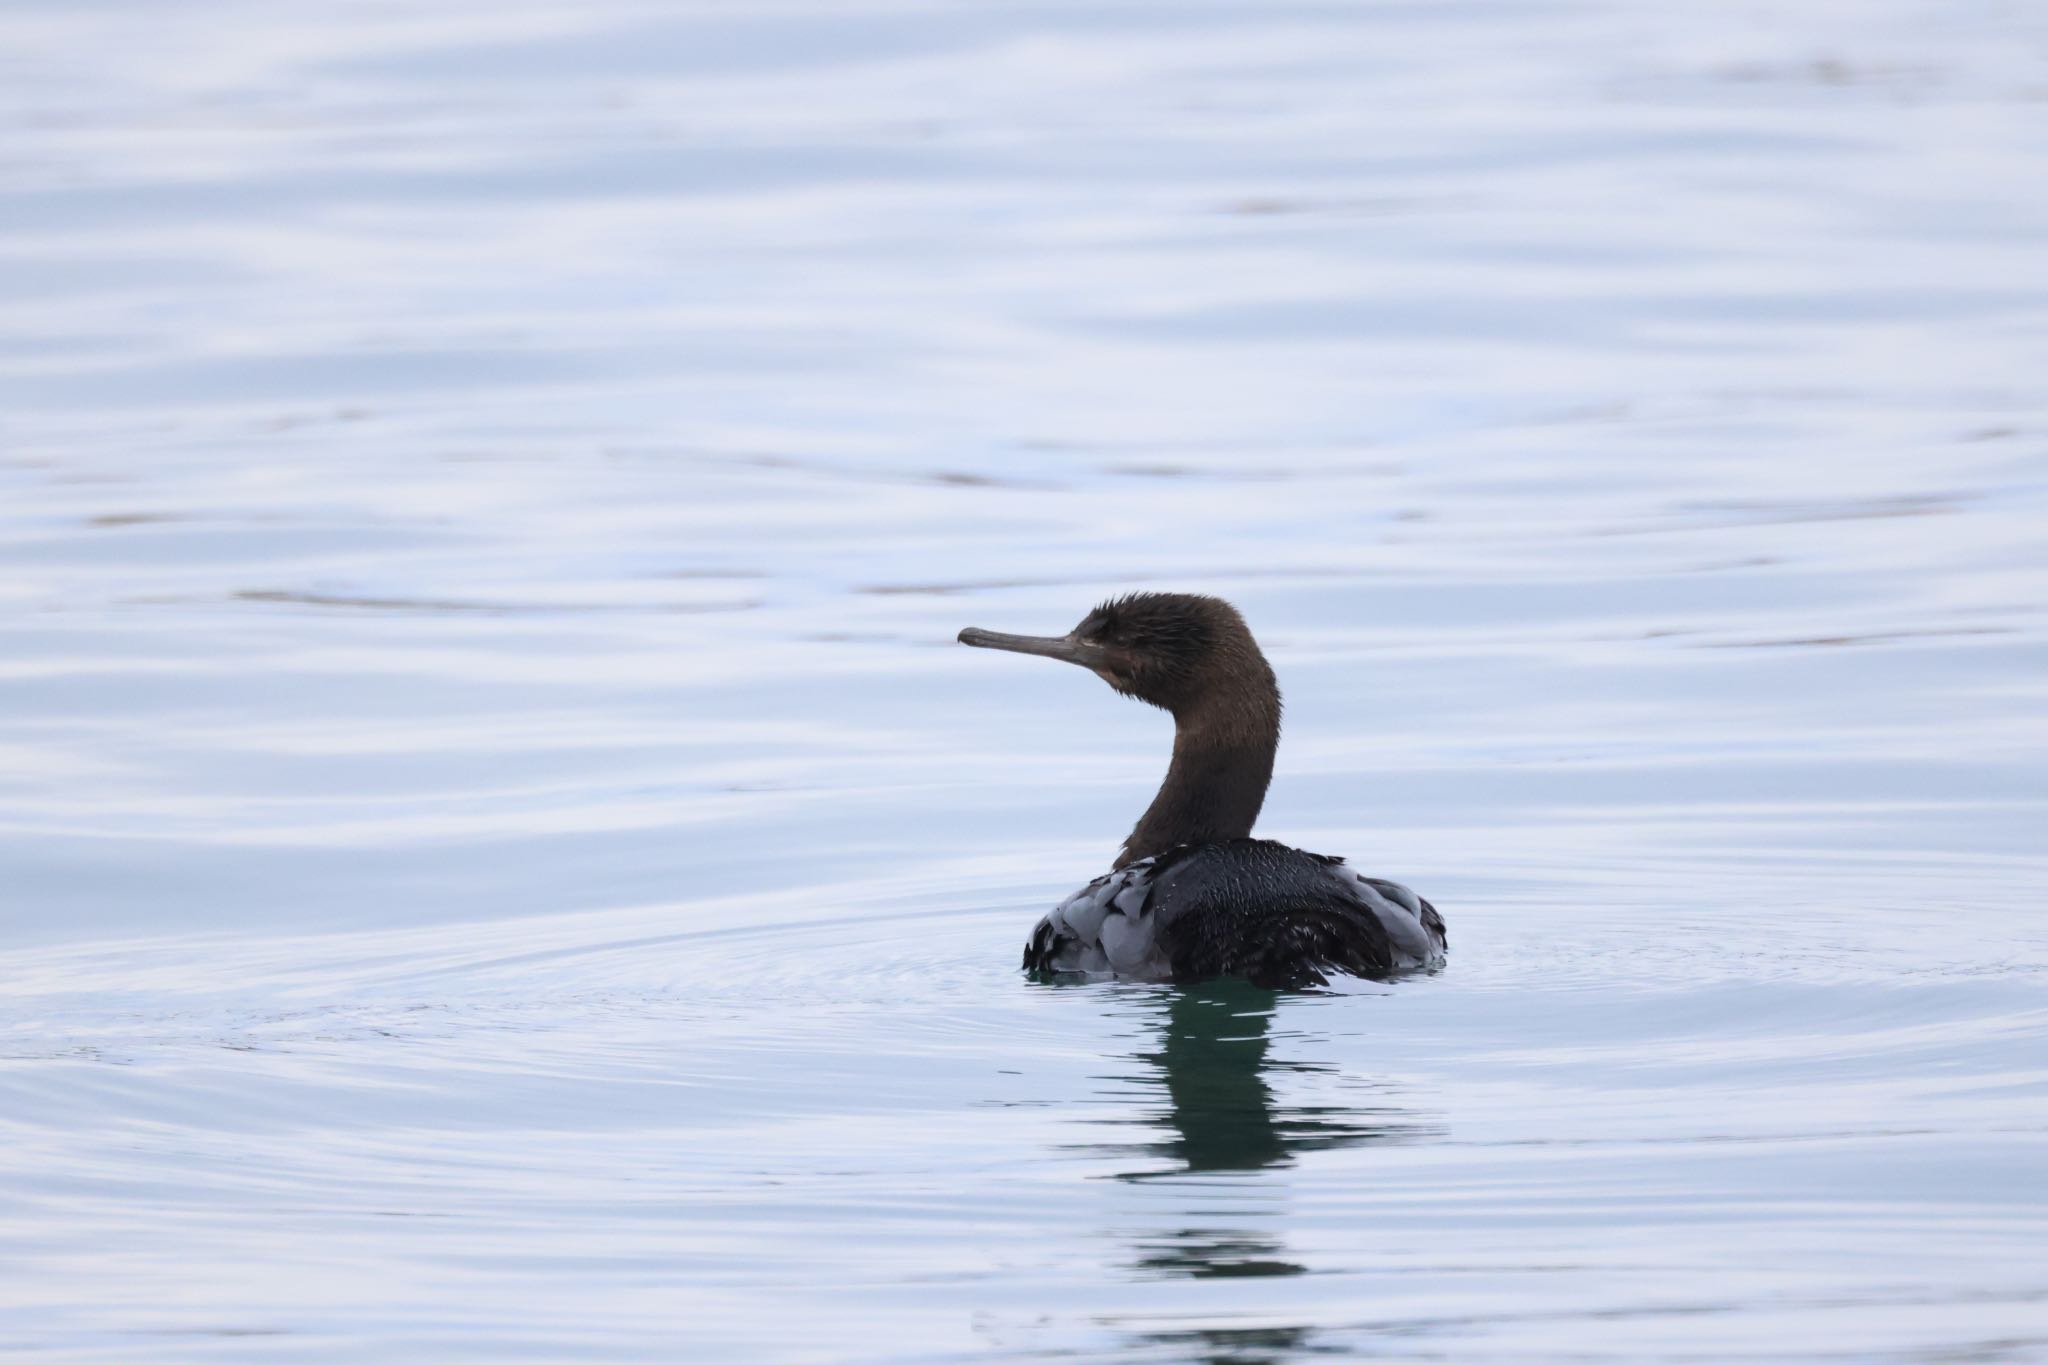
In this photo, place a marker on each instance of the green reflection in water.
(1222, 1134)
(1214, 1067)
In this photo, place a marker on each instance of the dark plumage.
(1192, 895)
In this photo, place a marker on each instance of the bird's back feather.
(1275, 915)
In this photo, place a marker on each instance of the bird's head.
(1178, 651)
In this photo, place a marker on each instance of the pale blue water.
(500, 857)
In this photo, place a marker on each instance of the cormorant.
(1192, 895)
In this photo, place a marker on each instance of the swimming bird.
(1191, 894)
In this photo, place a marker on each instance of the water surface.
(499, 856)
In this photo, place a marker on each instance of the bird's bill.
(1051, 646)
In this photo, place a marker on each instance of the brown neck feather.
(1223, 750)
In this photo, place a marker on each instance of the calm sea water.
(500, 857)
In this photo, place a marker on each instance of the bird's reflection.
(1213, 1067)
(1219, 1132)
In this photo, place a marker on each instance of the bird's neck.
(1222, 762)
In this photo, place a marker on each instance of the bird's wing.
(1106, 926)
(1413, 924)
